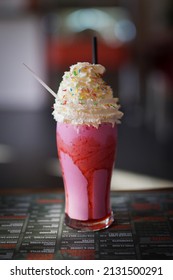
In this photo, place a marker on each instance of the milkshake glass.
(87, 156)
(86, 134)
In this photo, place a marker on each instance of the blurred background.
(135, 44)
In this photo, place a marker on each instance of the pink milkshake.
(87, 156)
(86, 115)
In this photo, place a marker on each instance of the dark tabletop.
(32, 227)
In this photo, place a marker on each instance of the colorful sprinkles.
(83, 97)
(82, 83)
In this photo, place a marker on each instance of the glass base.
(90, 225)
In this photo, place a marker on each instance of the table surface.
(32, 227)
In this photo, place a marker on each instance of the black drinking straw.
(94, 50)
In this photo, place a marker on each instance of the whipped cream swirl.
(84, 97)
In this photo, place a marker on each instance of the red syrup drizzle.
(89, 155)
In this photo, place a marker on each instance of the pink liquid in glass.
(87, 157)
